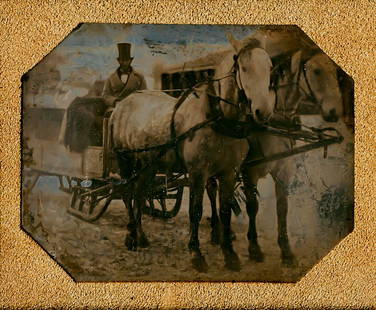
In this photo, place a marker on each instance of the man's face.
(125, 64)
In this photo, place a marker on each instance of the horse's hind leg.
(134, 201)
(142, 240)
(211, 189)
(131, 238)
(250, 188)
(287, 256)
(226, 193)
(142, 191)
(196, 194)
(126, 166)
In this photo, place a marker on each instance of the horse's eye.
(317, 71)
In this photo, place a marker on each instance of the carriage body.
(81, 174)
(49, 156)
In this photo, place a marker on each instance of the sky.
(90, 52)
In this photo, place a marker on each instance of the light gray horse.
(143, 119)
(309, 76)
(318, 82)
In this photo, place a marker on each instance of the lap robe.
(84, 123)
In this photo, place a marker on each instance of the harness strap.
(176, 107)
(172, 123)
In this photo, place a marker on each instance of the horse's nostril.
(332, 116)
(332, 112)
(258, 113)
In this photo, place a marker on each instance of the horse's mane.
(250, 43)
(308, 53)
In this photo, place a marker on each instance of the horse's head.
(252, 68)
(320, 77)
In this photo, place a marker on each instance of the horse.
(307, 75)
(143, 118)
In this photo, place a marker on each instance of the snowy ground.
(96, 252)
(320, 205)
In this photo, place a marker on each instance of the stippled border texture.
(345, 278)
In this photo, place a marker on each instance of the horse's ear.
(263, 42)
(235, 43)
(261, 37)
(295, 62)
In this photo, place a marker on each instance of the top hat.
(124, 51)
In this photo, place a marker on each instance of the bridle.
(234, 73)
(222, 124)
(294, 93)
(310, 95)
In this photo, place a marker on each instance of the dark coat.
(115, 89)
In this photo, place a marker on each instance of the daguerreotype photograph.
(187, 153)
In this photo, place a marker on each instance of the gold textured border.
(346, 277)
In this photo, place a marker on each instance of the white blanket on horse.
(143, 119)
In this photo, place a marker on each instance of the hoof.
(131, 243)
(255, 254)
(289, 261)
(143, 242)
(232, 262)
(199, 263)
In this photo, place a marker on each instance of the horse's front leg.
(196, 194)
(212, 189)
(281, 191)
(143, 190)
(250, 188)
(226, 192)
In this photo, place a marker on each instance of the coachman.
(124, 80)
